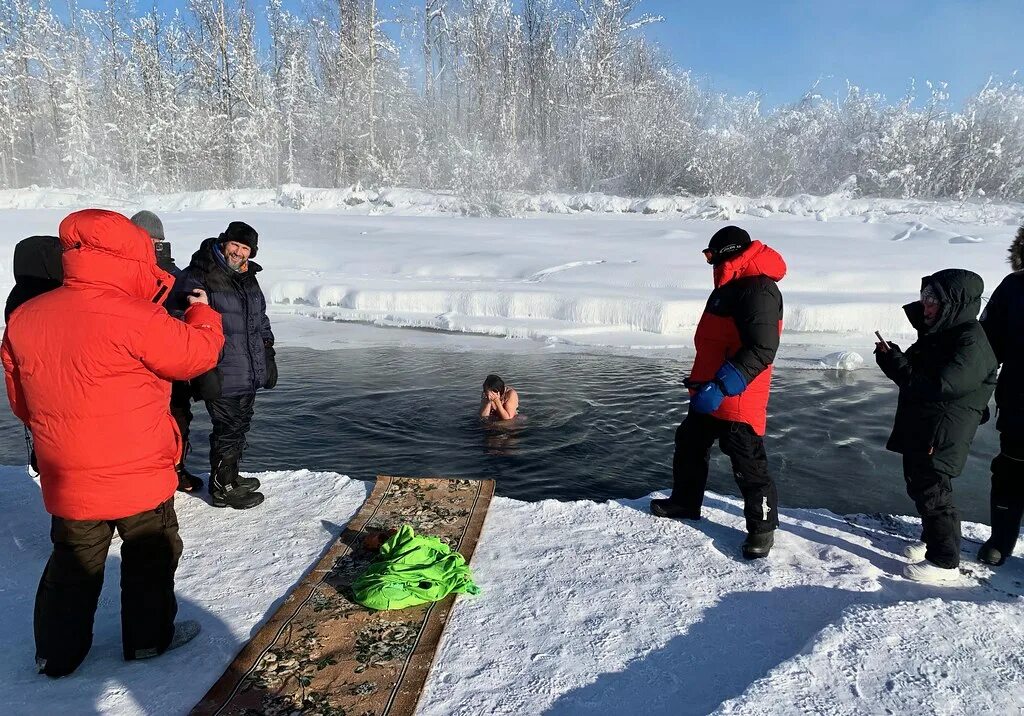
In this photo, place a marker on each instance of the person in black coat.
(37, 269)
(181, 394)
(224, 268)
(945, 379)
(1003, 321)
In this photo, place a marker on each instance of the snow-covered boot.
(668, 508)
(758, 545)
(915, 552)
(929, 573)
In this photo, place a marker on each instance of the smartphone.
(882, 340)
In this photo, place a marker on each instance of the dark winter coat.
(741, 324)
(247, 363)
(946, 378)
(1003, 321)
(37, 269)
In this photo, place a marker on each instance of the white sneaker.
(915, 552)
(929, 573)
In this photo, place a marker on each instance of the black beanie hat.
(241, 233)
(727, 242)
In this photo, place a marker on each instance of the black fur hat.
(1017, 251)
(241, 233)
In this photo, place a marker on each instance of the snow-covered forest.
(472, 96)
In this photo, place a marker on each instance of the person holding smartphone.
(945, 381)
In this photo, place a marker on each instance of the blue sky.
(780, 47)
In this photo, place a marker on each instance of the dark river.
(595, 427)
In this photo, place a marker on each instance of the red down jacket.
(88, 369)
(742, 323)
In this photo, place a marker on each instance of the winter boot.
(184, 632)
(247, 483)
(225, 490)
(758, 545)
(187, 482)
(1006, 517)
(668, 508)
(915, 552)
(929, 573)
(990, 554)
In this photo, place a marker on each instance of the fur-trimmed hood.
(1017, 251)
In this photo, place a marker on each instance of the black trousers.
(231, 418)
(932, 493)
(70, 587)
(1007, 498)
(745, 449)
(181, 411)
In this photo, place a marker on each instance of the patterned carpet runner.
(322, 654)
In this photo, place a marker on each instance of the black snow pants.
(181, 411)
(231, 418)
(1007, 499)
(745, 449)
(70, 587)
(932, 493)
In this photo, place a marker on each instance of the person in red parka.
(89, 367)
(736, 342)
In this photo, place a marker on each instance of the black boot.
(225, 489)
(187, 482)
(1006, 511)
(668, 508)
(758, 545)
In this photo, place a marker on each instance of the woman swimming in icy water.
(498, 401)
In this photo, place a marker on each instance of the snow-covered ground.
(590, 270)
(586, 608)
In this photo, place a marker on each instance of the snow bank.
(416, 201)
(608, 275)
(586, 608)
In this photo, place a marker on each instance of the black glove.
(894, 363)
(271, 380)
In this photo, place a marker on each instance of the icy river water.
(596, 427)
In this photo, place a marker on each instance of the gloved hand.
(709, 398)
(271, 363)
(731, 380)
(893, 362)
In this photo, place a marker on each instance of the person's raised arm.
(506, 406)
(486, 404)
(183, 349)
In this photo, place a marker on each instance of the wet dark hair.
(493, 382)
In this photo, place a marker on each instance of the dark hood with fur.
(1017, 251)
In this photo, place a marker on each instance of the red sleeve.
(182, 349)
(13, 379)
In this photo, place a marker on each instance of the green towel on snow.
(412, 569)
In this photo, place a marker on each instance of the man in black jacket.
(181, 394)
(945, 379)
(224, 268)
(1003, 321)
